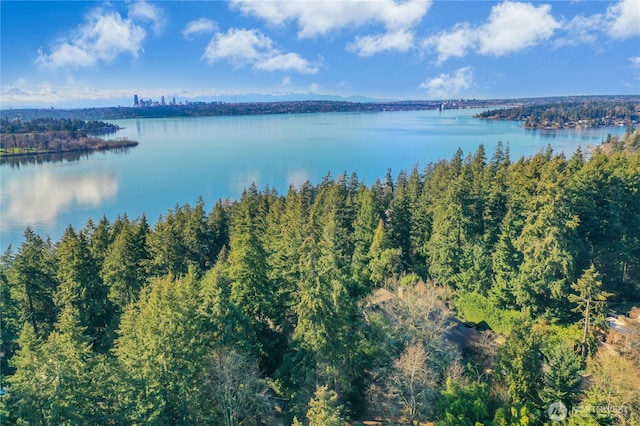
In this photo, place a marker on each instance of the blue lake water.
(179, 159)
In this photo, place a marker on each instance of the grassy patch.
(21, 151)
(476, 308)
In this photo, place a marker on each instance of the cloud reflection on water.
(297, 177)
(40, 198)
(238, 182)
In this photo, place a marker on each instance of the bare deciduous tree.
(412, 383)
(415, 322)
(485, 346)
(237, 390)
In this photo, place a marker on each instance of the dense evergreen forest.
(55, 135)
(563, 114)
(342, 301)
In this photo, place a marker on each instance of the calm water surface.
(179, 159)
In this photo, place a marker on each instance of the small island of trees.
(51, 135)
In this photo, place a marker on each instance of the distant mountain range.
(290, 96)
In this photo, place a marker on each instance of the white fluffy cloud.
(104, 37)
(624, 19)
(286, 62)
(511, 26)
(67, 55)
(620, 21)
(199, 26)
(447, 86)
(324, 17)
(250, 47)
(399, 41)
(146, 12)
(238, 46)
(455, 43)
(515, 26)
(581, 29)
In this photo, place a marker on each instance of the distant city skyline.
(76, 54)
(138, 101)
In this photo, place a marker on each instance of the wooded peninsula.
(473, 291)
(56, 135)
(570, 114)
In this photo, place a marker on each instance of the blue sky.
(77, 53)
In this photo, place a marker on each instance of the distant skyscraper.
(162, 100)
(173, 102)
(135, 100)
